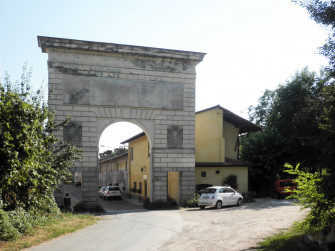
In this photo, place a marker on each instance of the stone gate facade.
(102, 83)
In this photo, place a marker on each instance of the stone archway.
(97, 83)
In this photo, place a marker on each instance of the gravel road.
(233, 228)
(127, 226)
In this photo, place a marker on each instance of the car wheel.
(239, 202)
(218, 204)
(202, 207)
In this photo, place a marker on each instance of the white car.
(112, 192)
(218, 196)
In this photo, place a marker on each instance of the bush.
(7, 230)
(82, 208)
(248, 196)
(17, 222)
(192, 202)
(231, 180)
(159, 204)
(21, 220)
(312, 192)
(200, 187)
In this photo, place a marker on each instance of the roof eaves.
(244, 124)
(133, 138)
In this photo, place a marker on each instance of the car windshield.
(286, 184)
(114, 188)
(210, 190)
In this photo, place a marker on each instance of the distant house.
(113, 169)
(217, 133)
(138, 165)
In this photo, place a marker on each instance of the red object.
(281, 186)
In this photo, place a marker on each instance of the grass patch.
(290, 240)
(61, 225)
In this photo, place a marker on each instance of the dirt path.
(233, 228)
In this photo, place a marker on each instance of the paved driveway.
(108, 205)
(229, 228)
(233, 228)
(124, 231)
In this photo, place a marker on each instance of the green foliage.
(7, 230)
(323, 12)
(291, 240)
(262, 111)
(294, 117)
(248, 196)
(303, 113)
(313, 192)
(159, 204)
(82, 208)
(33, 162)
(21, 220)
(231, 180)
(266, 151)
(192, 202)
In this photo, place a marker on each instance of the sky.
(251, 46)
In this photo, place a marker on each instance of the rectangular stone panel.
(175, 136)
(104, 91)
(75, 90)
(72, 133)
(172, 97)
(99, 91)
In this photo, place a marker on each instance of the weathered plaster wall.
(231, 135)
(216, 175)
(139, 164)
(102, 83)
(210, 143)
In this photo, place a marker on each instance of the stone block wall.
(101, 83)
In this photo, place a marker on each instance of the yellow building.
(138, 165)
(113, 169)
(217, 133)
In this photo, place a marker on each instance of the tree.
(323, 12)
(291, 117)
(33, 162)
(261, 112)
(302, 112)
(294, 110)
(266, 151)
(301, 117)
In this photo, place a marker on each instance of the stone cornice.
(55, 44)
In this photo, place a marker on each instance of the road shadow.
(258, 204)
(112, 205)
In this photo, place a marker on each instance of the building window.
(203, 174)
(217, 171)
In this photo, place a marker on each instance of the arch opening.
(124, 159)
